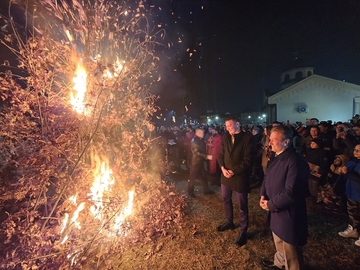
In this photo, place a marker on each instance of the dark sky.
(224, 53)
(245, 45)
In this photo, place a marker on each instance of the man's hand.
(227, 173)
(263, 203)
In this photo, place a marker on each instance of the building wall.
(324, 98)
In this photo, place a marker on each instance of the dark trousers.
(197, 172)
(242, 200)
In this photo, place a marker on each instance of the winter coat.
(318, 157)
(352, 189)
(285, 186)
(238, 158)
(198, 152)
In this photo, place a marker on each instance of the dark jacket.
(318, 157)
(238, 158)
(285, 186)
(198, 152)
(344, 146)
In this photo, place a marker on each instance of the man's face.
(314, 132)
(200, 133)
(277, 143)
(322, 128)
(341, 128)
(314, 122)
(232, 127)
(254, 132)
(357, 131)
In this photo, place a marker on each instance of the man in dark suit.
(283, 195)
(235, 160)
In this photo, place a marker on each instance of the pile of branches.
(49, 152)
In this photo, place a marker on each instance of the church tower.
(296, 71)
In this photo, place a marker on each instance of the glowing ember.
(69, 36)
(77, 100)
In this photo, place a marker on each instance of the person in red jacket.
(213, 146)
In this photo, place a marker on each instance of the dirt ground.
(196, 244)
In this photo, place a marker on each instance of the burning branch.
(83, 110)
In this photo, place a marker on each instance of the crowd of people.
(238, 157)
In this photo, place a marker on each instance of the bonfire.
(75, 145)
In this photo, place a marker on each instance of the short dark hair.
(233, 118)
(285, 131)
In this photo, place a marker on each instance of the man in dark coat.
(196, 162)
(235, 160)
(283, 194)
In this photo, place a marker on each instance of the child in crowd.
(352, 191)
(333, 192)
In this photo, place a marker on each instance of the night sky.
(221, 55)
(245, 45)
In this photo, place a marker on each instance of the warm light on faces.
(314, 145)
(357, 151)
(199, 133)
(232, 127)
(277, 143)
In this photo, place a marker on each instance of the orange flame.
(119, 220)
(77, 98)
(102, 183)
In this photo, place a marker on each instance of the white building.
(305, 95)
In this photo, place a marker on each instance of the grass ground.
(195, 244)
